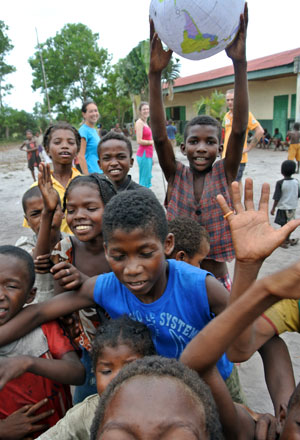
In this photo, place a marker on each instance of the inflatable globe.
(196, 29)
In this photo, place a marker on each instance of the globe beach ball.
(196, 29)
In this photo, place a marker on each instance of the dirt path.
(263, 166)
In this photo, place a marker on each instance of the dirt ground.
(263, 166)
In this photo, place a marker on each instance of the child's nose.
(132, 267)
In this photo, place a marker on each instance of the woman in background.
(145, 150)
(87, 156)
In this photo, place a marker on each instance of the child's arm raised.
(50, 200)
(237, 52)
(159, 59)
(220, 333)
(34, 315)
(254, 240)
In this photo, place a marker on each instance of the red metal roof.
(275, 60)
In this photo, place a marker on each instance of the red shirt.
(30, 388)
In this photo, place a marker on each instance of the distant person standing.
(294, 148)
(87, 156)
(253, 125)
(31, 147)
(144, 153)
(171, 132)
(286, 199)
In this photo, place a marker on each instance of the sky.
(273, 27)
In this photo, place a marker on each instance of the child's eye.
(92, 208)
(70, 211)
(117, 257)
(146, 254)
(106, 372)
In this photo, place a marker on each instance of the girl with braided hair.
(80, 255)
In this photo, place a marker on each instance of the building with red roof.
(272, 80)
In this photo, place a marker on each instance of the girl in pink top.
(145, 150)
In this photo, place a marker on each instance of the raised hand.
(23, 423)
(159, 58)
(50, 195)
(237, 49)
(253, 237)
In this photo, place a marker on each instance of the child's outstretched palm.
(159, 58)
(50, 195)
(253, 237)
(237, 49)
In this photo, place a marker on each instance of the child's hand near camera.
(68, 276)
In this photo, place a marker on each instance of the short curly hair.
(123, 330)
(21, 255)
(157, 366)
(203, 120)
(129, 210)
(104, 186)
(61, 125)
(188, 234)
(117, 136)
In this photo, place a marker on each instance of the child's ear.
(183, 149)
(181, 256)
(99, 163)
(220, 149)
(169, 244)
(131, 162)
(31, 295)
(281, 418)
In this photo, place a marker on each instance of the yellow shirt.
(227, 124)
(61, 191)
(284, 316)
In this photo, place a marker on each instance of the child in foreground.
(62, 143)
(34, 367)
(83, 252)
(192, 190)
(115, 160)
(286, 199)
(117, 343)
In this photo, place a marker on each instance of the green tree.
(5, 69)
(133, 73)
(114, 103)
(213, 105)
(74, 66)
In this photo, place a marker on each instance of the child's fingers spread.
(236, 197)
(223, 204)
(264, 197)
(288, 228)
(248, 195)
